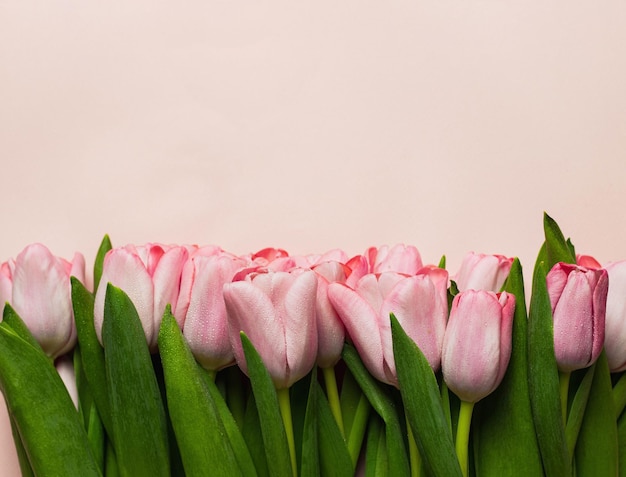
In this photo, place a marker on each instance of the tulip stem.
(462, 435)
(564, 391)
(285, 411)
(333, 397)
(357, 430)
(414, 453)
(619, 395)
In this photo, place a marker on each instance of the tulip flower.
(483, 272)
(201, 310)
(150, 276)
(578, 298)
(276, 310)
(37, 285)
(477, 343)
(419, 302)
(399, 258)
(615, 330)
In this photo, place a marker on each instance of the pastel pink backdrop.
(448, 125)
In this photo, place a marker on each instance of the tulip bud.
(150, 276)
(276, 310)
(615, 335)
(37, 285)
(419, 302)
(578, 299)
(477, 343)
(483, 272)
(201, 311)
(399, 258)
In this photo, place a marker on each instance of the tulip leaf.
(577, 409)
(91, 352)
(423, 407)
(543, 381)
(386, 408)
(557, 248)
(266, 398)
(50, 429)
(105, 246)
(137, 413)
(376, 458)
(199, 429)
(597, 447)
(355, 409)
(12, 319)
(621, 437)
(504, 433)
(22, 457)
(254, 439)
(310, 459)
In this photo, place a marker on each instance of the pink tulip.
(477, 343)
(201, 311)
(399, 258)
(615, 335)
(150, 276)
(483, 272)
(578, 299)
(587, 261)
(419, 302)
(276, 310)
(37, 285)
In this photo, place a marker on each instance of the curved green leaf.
(557, 248)
(105, 246)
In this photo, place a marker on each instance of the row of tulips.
(386, 380)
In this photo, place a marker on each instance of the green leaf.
(442, 262)
(543, 381)
(376, 458)
(504, 433)
(385, 406)
(310, 459)
(597, 447)
(577, 410)
(13, 320)
(105, 246)
(423, 407)
(355, 409)
(254, 437)
(557, 248)
(272, 428)
(49, 427)
(137, 413)
(200, 432)
(621, 436)
(22, 456)
(91, 352)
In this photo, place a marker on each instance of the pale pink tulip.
(150, 276)
(483, 272)
(399, 258)
(477, 343)
(276, 310)
(578, 299)
(419, 302)
(615, 335)
(38, 287)
(201, 311)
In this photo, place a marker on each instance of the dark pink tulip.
(399, 258)
(578, 300)
(615, 335)
(419, 302)
(201, 310)
(483, 272)
(150, 276)
(276, 310)
(477, 343)
(38, 286)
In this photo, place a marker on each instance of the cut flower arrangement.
(188, 360)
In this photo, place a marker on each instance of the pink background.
(450, 125)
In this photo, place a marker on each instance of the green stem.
(564, 391)
(462, 435)
(285, 411)
(619, 395)
(333, 397)
(414, 453)
(357, 431)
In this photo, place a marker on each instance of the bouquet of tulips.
(188, 360)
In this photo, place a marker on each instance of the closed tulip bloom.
(201, 310)
(38, 287)
(399, 258)
(483, 272)
(615, 335)
(419, 302)
(477, 343)
(276, 311)
(578, 298)
(150, 276)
